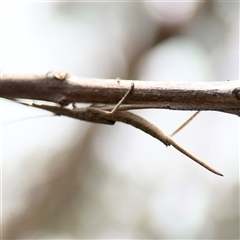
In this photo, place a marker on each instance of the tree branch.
(64, 89)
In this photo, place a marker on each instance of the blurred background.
(67, 179)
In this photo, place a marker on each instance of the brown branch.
(64, 89)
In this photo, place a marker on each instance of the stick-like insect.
(104, 115)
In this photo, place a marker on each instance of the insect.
(107, 114)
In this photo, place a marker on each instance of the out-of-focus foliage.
(62, 178)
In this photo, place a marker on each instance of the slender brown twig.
(62, 88)
(107, 97)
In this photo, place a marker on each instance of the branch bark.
(64, 89)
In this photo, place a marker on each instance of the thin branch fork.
(64, 89)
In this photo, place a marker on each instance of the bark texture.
(64, 89)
